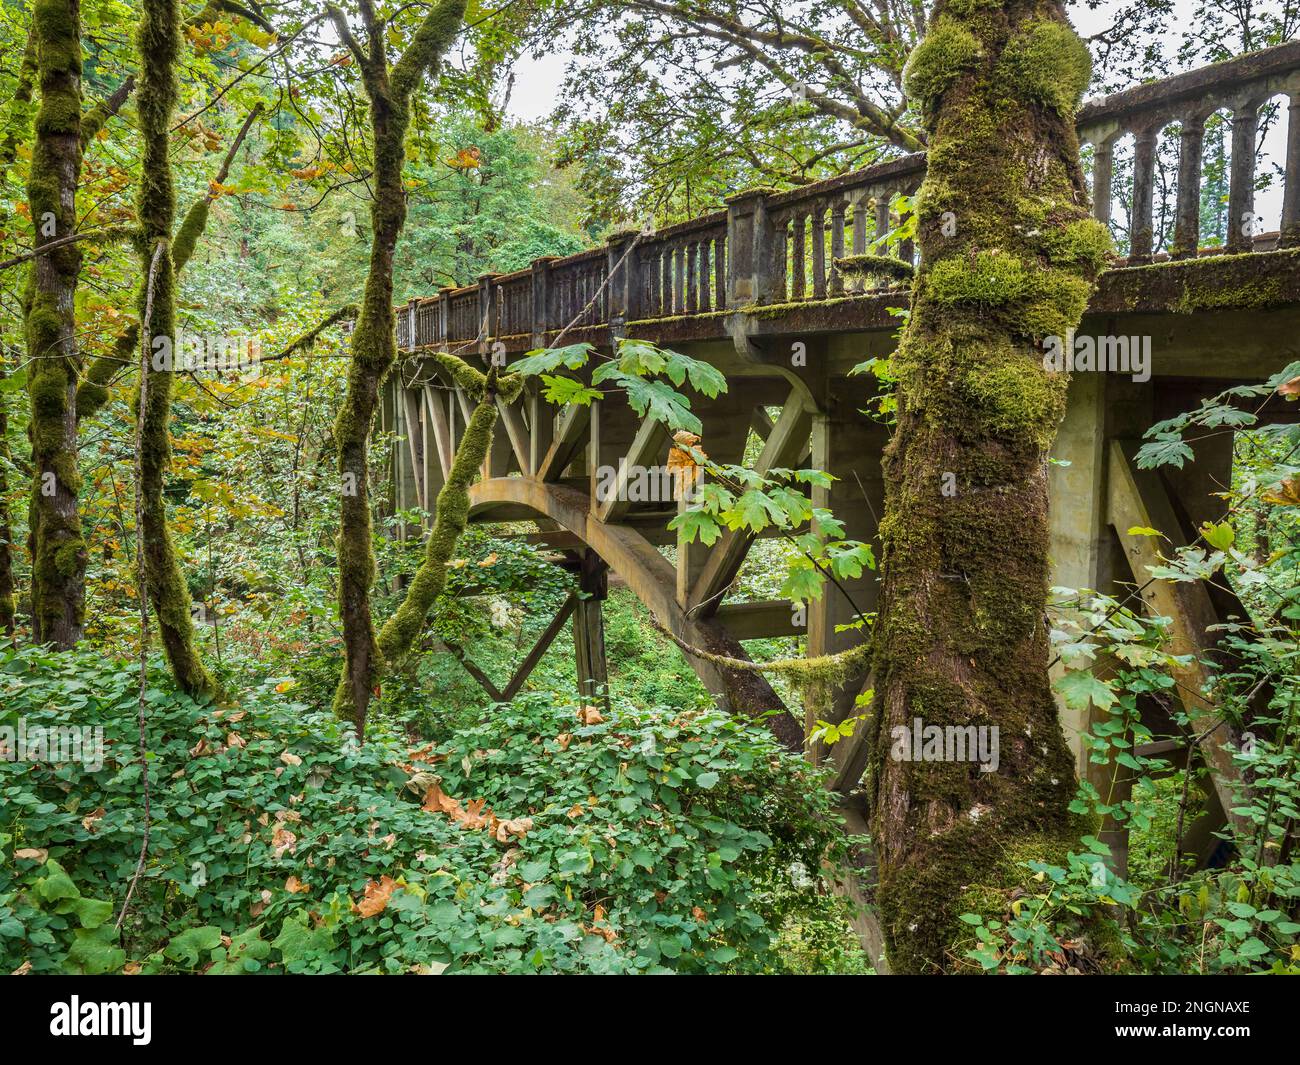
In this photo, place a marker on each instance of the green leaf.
(565, 390)
(95, 951)
(545, 360)
(190, 944)
(696, 524)
(1080, 687)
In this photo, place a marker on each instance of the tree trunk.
(8, 606)
(57, 548)
(374, 342)
(159, 43)
(1009, 256)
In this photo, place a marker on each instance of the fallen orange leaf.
(376, 897)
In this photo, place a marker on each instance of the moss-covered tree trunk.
(374, 342)
(8, 603)
(159, 42)
(451, 513)
(18, 119)
(1009, 256)
(92, 393)
(57, 548)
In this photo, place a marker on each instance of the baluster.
(1144, 169)
(720, 270)
(702, 250)
(1290, 237)
(444, 316)
(837, 246)
(675, 273)
(780, 251)
(1241, 190)
(689, 256)
(859, 237)
(798, 283)
(1103, 172)
(818, 232)
(882, 223)
(666, 282)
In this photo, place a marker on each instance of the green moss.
(1049, 63)
(938, 61)
(882, 266)
(451, 515)
(1084, 243)
(187, 236)
(990, 278)
(1034, 300)
(1014, 396)
(1209, 295)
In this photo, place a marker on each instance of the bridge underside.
(759, 291)
(791, 403)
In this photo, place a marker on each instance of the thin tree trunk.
(57, 547)
(374, 344)
(92, 393)
(8, 606)
(159, 42)
(1008, 258)
(18, 112)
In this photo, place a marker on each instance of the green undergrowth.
(652, 840)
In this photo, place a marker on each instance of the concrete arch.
(653, 581)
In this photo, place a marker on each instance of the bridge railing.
(1239, 86)
(776, 247)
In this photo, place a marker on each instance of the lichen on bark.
(961, 638)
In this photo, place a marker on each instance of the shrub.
(535, 841)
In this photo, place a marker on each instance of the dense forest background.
(668, 836)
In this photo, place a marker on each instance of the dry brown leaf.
(88, 822)
(575, 810)
(35, 854)
(256, 909)
(235, 741)
(564, 739)
(518, 826)
(283, 840)
(199, 749)
(1287, 494)
(23, 969)
(296, 887)
(589, 715)
(290, 759)
(376, 896)
(1290, 389)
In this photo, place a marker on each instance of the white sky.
(538, 82)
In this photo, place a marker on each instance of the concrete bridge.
(757, 290)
